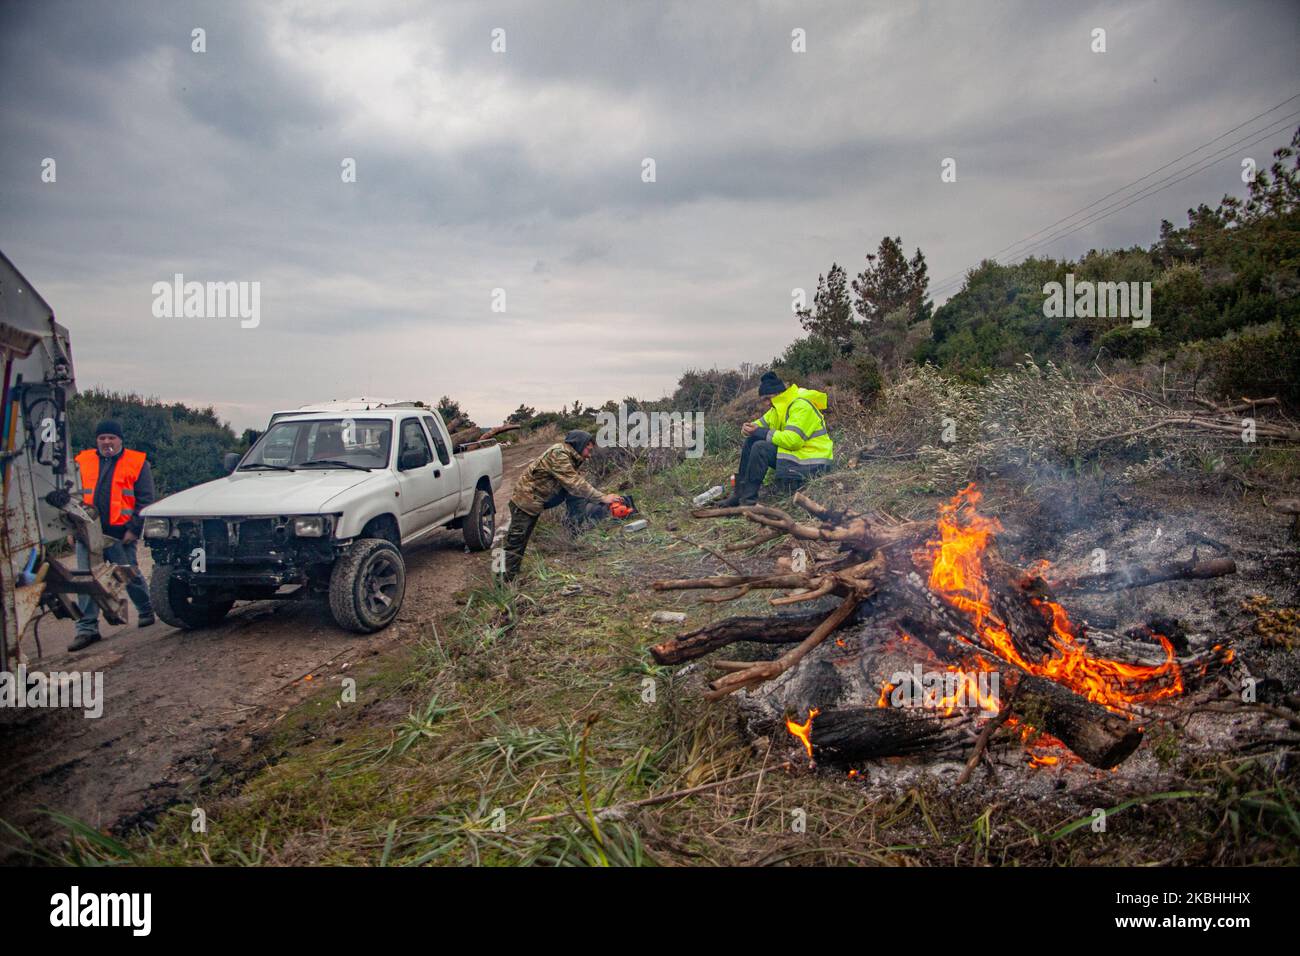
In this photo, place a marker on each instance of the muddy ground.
(177, 704)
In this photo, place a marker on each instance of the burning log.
(1091, 732)
(944, 583)
(845, 735)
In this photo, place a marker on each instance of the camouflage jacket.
(554, 471)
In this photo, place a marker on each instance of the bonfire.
(939, 641)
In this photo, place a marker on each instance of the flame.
(803, 732)
(969, 693)
(957, 575)
(885, 691)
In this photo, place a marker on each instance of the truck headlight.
(157, 527)
(310, 526)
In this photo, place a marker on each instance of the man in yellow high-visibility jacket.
(790, 438)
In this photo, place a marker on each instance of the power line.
(946, 281)
(1147, 191)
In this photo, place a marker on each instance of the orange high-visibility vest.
(121, 501)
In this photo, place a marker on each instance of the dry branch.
(764, 630)
(1137, 576)
(766, 670)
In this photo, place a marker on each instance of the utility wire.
(942, 284)
(1144, 193)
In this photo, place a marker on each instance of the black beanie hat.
(578, 439)
(770, 384)
(108, 427)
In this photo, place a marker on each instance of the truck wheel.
(367, 586)
(177, 605)
(481, 522)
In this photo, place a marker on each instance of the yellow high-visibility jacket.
(797, 427)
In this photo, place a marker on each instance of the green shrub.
(1259, 362)
(1127, 342)
(804, 357)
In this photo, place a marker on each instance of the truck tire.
(173, 602)
(481, 522)
(367, 586)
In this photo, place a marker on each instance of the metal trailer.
(40, 506)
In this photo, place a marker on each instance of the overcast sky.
(522, 170)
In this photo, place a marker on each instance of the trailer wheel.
(367, 586)
(481, 522)
(177, 605)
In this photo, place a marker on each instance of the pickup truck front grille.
(235, 538)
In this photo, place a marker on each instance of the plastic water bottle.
(667, 617)
(711, 495)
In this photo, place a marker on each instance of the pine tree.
(831, 316)
(890, 282)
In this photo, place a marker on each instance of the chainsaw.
(625, 507)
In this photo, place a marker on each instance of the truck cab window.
(413, 452)
(438, 443)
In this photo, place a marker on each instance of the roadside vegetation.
(532, 727)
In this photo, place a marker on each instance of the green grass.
(542, 701)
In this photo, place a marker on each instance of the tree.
(448, 408)
(890, 281)
(831, 317)
(521, 414)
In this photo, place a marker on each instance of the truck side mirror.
(412, 458)
(231, 461)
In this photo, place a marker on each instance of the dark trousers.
(757, 455)
(578, 512)
(115, 552)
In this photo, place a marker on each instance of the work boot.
(145, 620)
(746, 493)
(83, 641)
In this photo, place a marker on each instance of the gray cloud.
(522, 171)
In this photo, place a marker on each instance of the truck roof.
(386, 412)
(345, 406)
(361, 403)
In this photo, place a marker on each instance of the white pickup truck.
(322, 504)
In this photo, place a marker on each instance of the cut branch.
(1137, 576)
(763, 630)
(766, 670)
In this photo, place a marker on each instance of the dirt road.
(174, 701)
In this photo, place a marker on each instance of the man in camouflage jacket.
(550, 480)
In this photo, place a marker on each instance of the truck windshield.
(361, 442)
